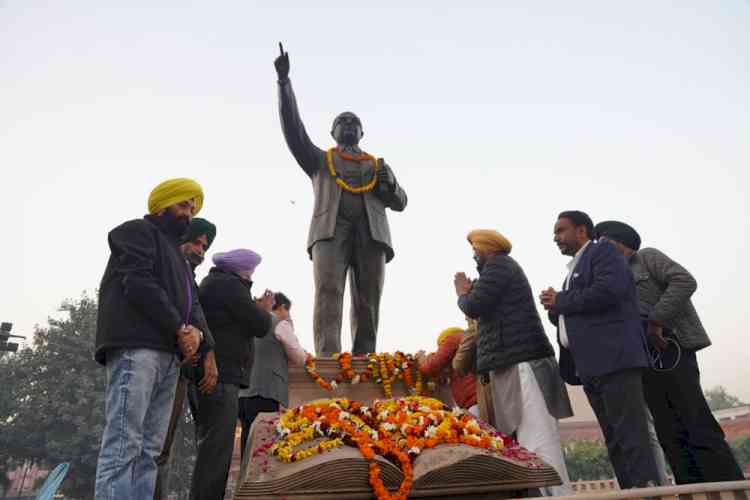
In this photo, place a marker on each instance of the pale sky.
(491, 114)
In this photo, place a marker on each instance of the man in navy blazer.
(602, 345)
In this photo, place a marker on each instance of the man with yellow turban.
(174, 192)
(149, 318)
(513, 352)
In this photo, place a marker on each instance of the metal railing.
(734, 490)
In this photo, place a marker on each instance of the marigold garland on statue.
(396, 428)
(341, 182)
(347, 372)
(383, 368)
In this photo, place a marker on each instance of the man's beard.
(194, 259)
(176, 226)
(481, 261)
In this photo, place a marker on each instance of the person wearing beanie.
(513, 352)
(149, 318)
(602, 346)
(463, 387)
(235, 319)
(200, 236)
(691, 437)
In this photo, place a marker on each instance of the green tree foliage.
(587, 460)
(56, 411)
(52, 405)
(741, 449)
(718, 399)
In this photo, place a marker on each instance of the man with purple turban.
(235, 318)
(149, 316)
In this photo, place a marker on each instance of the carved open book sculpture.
(394, 448)
(447, 470)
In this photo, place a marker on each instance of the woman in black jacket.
(234, 318)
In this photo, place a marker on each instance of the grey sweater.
(664, 289)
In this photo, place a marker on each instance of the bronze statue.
(349, 229)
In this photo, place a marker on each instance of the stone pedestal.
(303, 389)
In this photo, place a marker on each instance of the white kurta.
(537, 430)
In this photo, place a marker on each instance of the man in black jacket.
(148, 315)
(235, 318)
(514, 353)
(203, 370)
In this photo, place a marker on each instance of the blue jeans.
(140, 391)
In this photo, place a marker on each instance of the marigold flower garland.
(313, 372)
(347, 372)
(341, 182)
(383, 368)
(396, 428)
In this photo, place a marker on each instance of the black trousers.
(692, 439)
(249, 409)
(215, 424)
(618, 402)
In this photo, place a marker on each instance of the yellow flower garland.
(343, 184)
(384, 368)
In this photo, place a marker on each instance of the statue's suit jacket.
(327, 193)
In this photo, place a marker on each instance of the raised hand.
(548, 298)
(265, 301)
(282, 64)
(462, 284)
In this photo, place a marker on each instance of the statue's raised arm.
(305, 152)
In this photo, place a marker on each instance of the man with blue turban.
(202, 371)
(235, 319)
